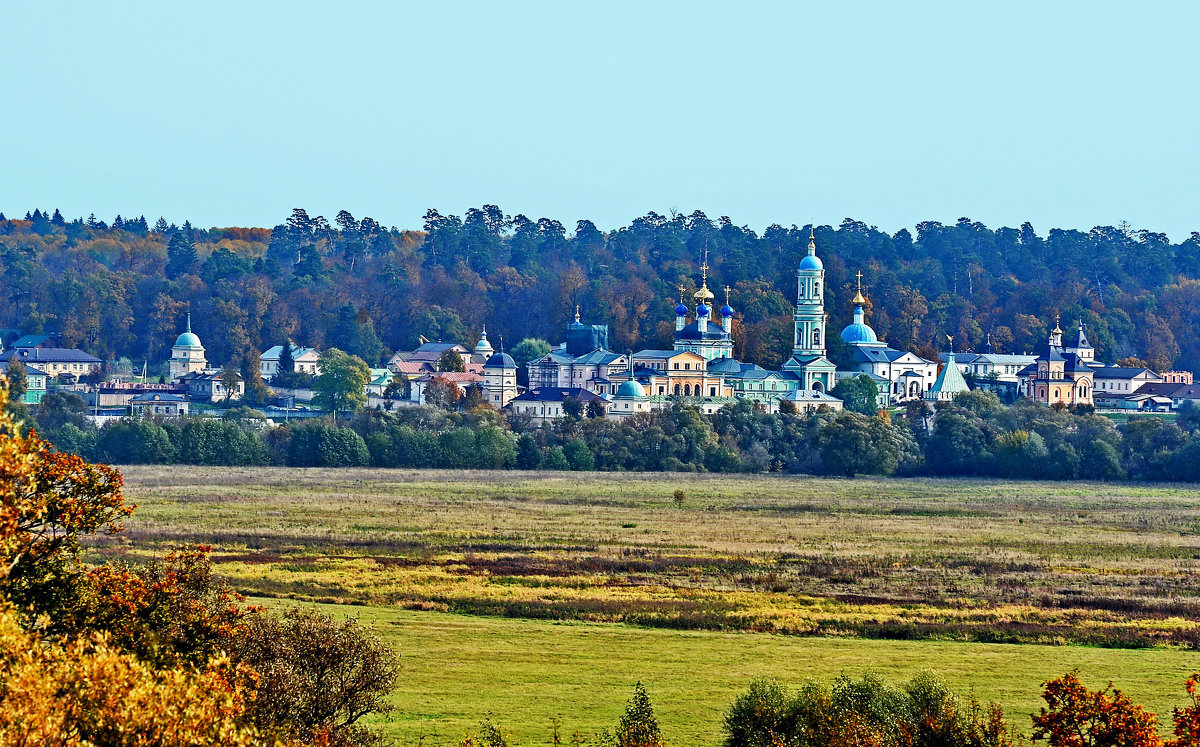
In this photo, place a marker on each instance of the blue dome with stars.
(680, 310)
(701, 310)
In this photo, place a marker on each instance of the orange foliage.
(47, 500)
(169, 613)
(87, 692)
(1078, 717)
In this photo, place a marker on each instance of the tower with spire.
(499, 378)
(808, 361)
(187, 354)
(702, 336)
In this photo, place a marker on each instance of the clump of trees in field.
(158, 654)
(974, 434)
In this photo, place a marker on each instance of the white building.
(499, 379)
(187, 355)
(306, 361)
(907, 375)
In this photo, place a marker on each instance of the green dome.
(188, 340)
(631, 389)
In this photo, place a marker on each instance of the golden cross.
(727, 295)
(681, 293)
(860, 279)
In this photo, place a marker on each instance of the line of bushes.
(972, 435)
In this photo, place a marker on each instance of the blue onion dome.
(681, 310)
(858, 332)
(726, 310)
(501, 360)
(701, 310)
(631, 389)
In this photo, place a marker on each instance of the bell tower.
(809, 337)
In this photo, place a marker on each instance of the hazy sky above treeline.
(1068, 114)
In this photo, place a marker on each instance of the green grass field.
(458, 668)
(790, 577)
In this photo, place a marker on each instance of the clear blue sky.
(1068, 114)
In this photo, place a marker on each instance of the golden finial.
(812, 236)
(727, 289)
(1057, 330)
(704, 294)
(951, 339)
(577, 313)
(681, 293)
(859, 299)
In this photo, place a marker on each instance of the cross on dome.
(859, 299)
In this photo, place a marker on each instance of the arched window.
(677, 390)
(687, 390)
(816, 338)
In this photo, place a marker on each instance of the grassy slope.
(458, 668)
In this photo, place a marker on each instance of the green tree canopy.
(342, 384)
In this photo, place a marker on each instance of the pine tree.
(160, 226)
(57, 219)
(91, 221)
(118, 222)
(181, 255)
(287, 363)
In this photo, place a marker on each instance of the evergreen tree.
(160, 227)
(57, 219)
(181, 255)
(287, 363)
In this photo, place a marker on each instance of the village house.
(306, 362)
(159, 403)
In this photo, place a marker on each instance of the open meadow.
(883, 575)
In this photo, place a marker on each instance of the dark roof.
(724, 365)
(157, 397)
(1118, 372)
(501, 360)
(1048, 352)
(440, 347)
(664, 354)
(692, 332)
(32, 341)
(557, 394)
(1076, 364)
(597, 358)
(1081, 340)
(1160, 388)
(49, 355)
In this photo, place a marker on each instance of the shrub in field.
(318, 676)
(1077, 717)
(638, 727)
(867, 711)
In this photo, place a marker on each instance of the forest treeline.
(120, 289)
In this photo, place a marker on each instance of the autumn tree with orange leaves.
(127, 655)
